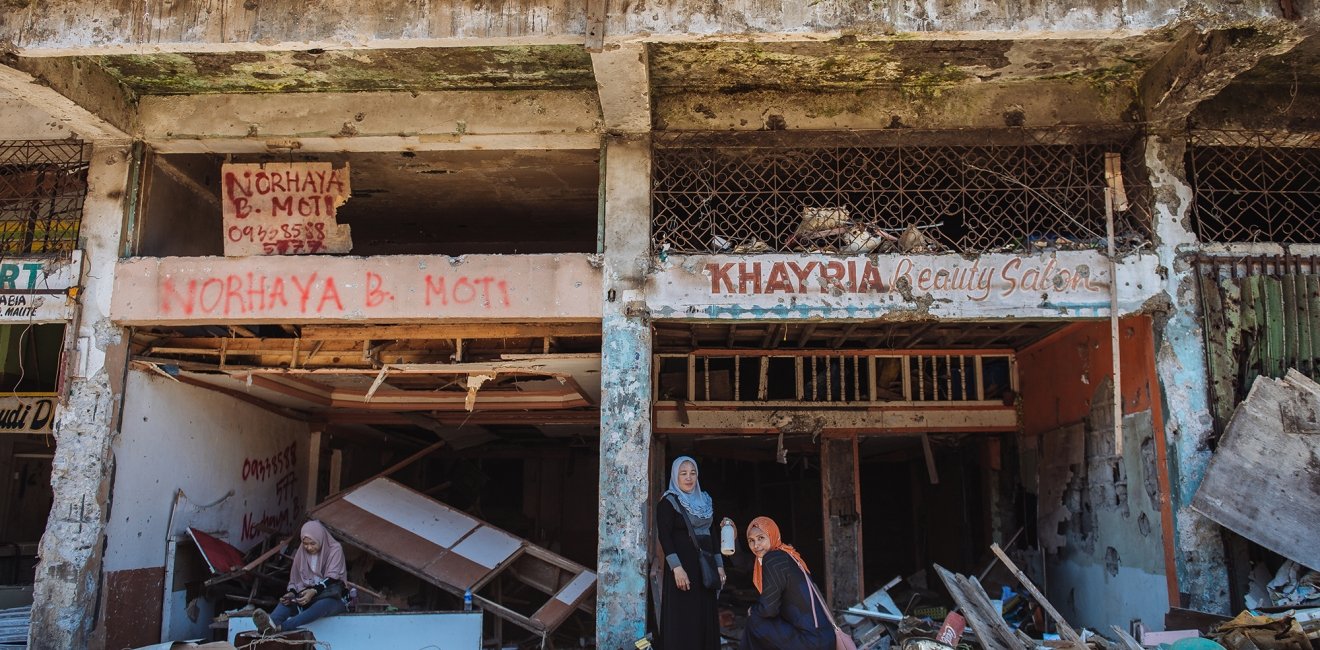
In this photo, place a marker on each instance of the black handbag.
(710, 575)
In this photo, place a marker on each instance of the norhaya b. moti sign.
(284, 208)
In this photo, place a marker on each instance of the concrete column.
(625, 404)
(1184, 376)
(68, 577)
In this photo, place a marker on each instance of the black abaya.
(782, 619)
(689, 620)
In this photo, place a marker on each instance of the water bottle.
(726, 536)
(467, 600)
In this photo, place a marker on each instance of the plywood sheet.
(413, 512)
(1264, 480)
(449, 548)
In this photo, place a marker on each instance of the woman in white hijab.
(689, 619)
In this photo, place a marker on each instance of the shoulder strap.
(686, 521)
(811, 586)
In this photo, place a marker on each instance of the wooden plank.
(1288, 287)
(1274, 326)
(1306, 342)
(1126, 639)
(1065, 630)
(989, 625)
(1313, 312)
(1220, 357)
(843, 537)
(1260, 482)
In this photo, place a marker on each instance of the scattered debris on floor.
(1021, 618)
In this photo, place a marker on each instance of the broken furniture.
(456, 552)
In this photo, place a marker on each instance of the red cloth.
(219, 555)
(771, 530)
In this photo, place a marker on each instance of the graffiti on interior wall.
(284, 208)
(257, 294)
(280, 471)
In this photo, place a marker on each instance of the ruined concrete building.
(911, 278)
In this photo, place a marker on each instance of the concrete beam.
(1202, 63)
(86, 85)
(68, 27)
(66, 113)
(24, 121)
(382, 121)
(623, 80)
(981, 106)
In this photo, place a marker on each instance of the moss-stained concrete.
(469, 68)
(920, 67)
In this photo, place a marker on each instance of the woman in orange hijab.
(789, 615)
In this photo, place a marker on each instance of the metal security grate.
(1255, 187)
(42, 187)
(855, 193)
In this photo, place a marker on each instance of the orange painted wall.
(1058, 376)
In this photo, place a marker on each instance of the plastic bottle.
(467, 600)
(726, 536)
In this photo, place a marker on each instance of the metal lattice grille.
(42, 187)
(711, 196)
(1256, 187)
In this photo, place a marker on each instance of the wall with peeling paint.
(214, 448)
(1100, 507)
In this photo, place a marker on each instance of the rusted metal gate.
(855, 192)
(1262, 317)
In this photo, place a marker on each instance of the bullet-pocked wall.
(1102, 514)
(190, 457)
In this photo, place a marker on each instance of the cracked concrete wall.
(1101, 511)
(69, 571)
(1110, 570)
(56, 26)
(625, 407)
(1184, 376)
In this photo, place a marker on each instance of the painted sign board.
(386, 289)
(35, 290)
(284, 208)
(27, 412)
(1066, 284)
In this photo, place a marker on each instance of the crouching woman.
(789, 615)
(317, 586)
